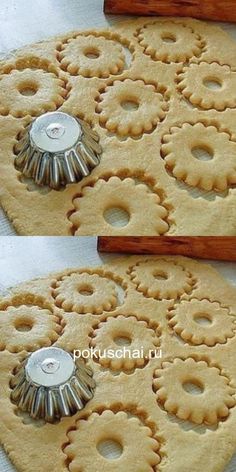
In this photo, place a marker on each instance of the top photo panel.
(113, 126)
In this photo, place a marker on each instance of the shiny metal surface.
(55, 132)
(57, 149)
(49, 367)
(50, 385)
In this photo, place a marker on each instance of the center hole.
(194, 387)
(110, 449)
(86, 290)
(130, 104)
(122, 340)
(28, 89)
(212, 83)
(92, 53)
(160, 275)
(168, 38)
(203, 319)
(116, 216)
(202, 153)
(24, 325)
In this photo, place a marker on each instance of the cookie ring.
(119, 332)
(186, 318)
(33, 92)
(161, 279)
(27, 328)
(83, 450)
(208, 85)
(92, 56)
(178, 153)
(169, 42)
(130, 108)
(85, 293)
(170, 385)
(90, 209)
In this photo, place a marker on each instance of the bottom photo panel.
(117, 354)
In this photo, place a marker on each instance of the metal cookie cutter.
(57, 149)
(50, 385)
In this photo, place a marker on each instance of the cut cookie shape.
(202, 322)
(128, 334)
(32, 92)
(208, 85)
(85, 293)
(212, 402)
(90, 209)
(137, 448)
(161, 279)
(92, 56)
(169, 42)
(180, 152)
(131, 108)
(27, 328)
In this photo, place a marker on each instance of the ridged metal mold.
(50, 385)
(57, 149)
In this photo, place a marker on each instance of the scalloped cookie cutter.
(50, 385)
(57, 149)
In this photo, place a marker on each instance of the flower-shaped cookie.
(27, 328)
(92, 56)
(168, 41)
(172, 385)
(138, 450)
(131, 107)
(85, 293)
(89, 217)
(202, 322)
(161, 279)
(182, 150)
(209, 85)
(30, 92)
(128, 336)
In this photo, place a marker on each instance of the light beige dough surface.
(143, 404)
(156, 91)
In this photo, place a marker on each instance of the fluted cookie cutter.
(50, 385)
(57, 149)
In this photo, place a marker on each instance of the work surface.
(23, 22)
(26, 258)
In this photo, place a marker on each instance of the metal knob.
(50, 385)
(57, 149)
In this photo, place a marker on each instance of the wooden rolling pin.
(204, 247)
(220, 10)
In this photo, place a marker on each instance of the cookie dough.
(160, 92)
(148, 413)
